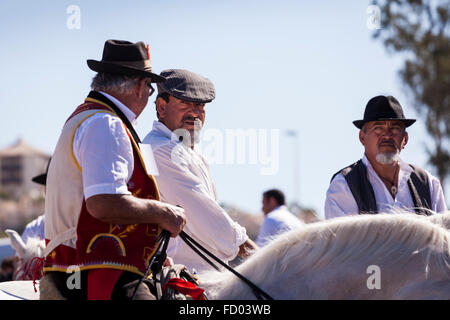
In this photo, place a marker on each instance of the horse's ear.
(16, 242)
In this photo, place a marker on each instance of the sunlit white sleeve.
(437, 195)
(103, 150)
(206, 221)
(339, 199)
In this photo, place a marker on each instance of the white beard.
(387, 157)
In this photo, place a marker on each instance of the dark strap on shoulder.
(360, 186)
(98, 96)
(420, 190)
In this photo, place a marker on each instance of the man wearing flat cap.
(381, 181)
(102, 210)
(183, 175)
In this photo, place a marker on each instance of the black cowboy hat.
(42, 178)
(383, 108)
(127, 58)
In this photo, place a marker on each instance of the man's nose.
(196, 110)
(388, 131)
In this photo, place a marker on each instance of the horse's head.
(27, 254)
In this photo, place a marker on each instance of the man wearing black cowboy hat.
(381, 181)
(102, 212)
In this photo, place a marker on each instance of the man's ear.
(405, 140)
(161, 107)
(362, 137)
(140, 88)
(273, 202)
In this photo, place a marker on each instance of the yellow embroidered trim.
(98, 266)
(75, 130)
(108, 235)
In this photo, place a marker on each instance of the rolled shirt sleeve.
(103, 150)
(437, 195)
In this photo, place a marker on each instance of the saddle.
(171, 283)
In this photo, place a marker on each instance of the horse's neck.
(225, 286)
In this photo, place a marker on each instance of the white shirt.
(276, 222)
(184, 179)
(103, 149)
(340, 201)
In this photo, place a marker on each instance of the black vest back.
(361, 188)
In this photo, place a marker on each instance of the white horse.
(383, 256)
(401, 256)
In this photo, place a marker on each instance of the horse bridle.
(194, 245)
(156, 263)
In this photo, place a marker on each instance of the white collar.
(276, 209)
(161, 128)
(131, 116)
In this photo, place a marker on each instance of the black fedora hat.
(42, 178)
(126, 58)
(381, 108)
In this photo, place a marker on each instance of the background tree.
(420, 30)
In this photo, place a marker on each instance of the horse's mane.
(442, 219)
(382, 239)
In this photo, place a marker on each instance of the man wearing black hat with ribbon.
(381, 181)
(183, 175)
(102, 211)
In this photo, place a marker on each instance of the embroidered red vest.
(103, 245)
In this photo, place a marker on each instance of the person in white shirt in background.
(278, 219)
(35, 228)
(183, 175)
(381, 181)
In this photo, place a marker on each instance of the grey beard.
(387, 157)
(190, 138)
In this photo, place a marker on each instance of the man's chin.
(387, 157)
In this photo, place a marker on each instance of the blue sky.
(276, 65)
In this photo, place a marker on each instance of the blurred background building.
(21, 200)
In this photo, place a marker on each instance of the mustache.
(389, 141)
(191, 118)
(197, 121)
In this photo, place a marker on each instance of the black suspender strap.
(359, 184)
(98, 96)
(420, 190)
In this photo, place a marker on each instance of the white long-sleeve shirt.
(340, 201)
(184, 179)
(276, 222)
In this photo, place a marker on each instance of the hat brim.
(105, 67)
(40, 179)
(360, 123)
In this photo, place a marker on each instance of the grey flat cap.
(186, 85)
